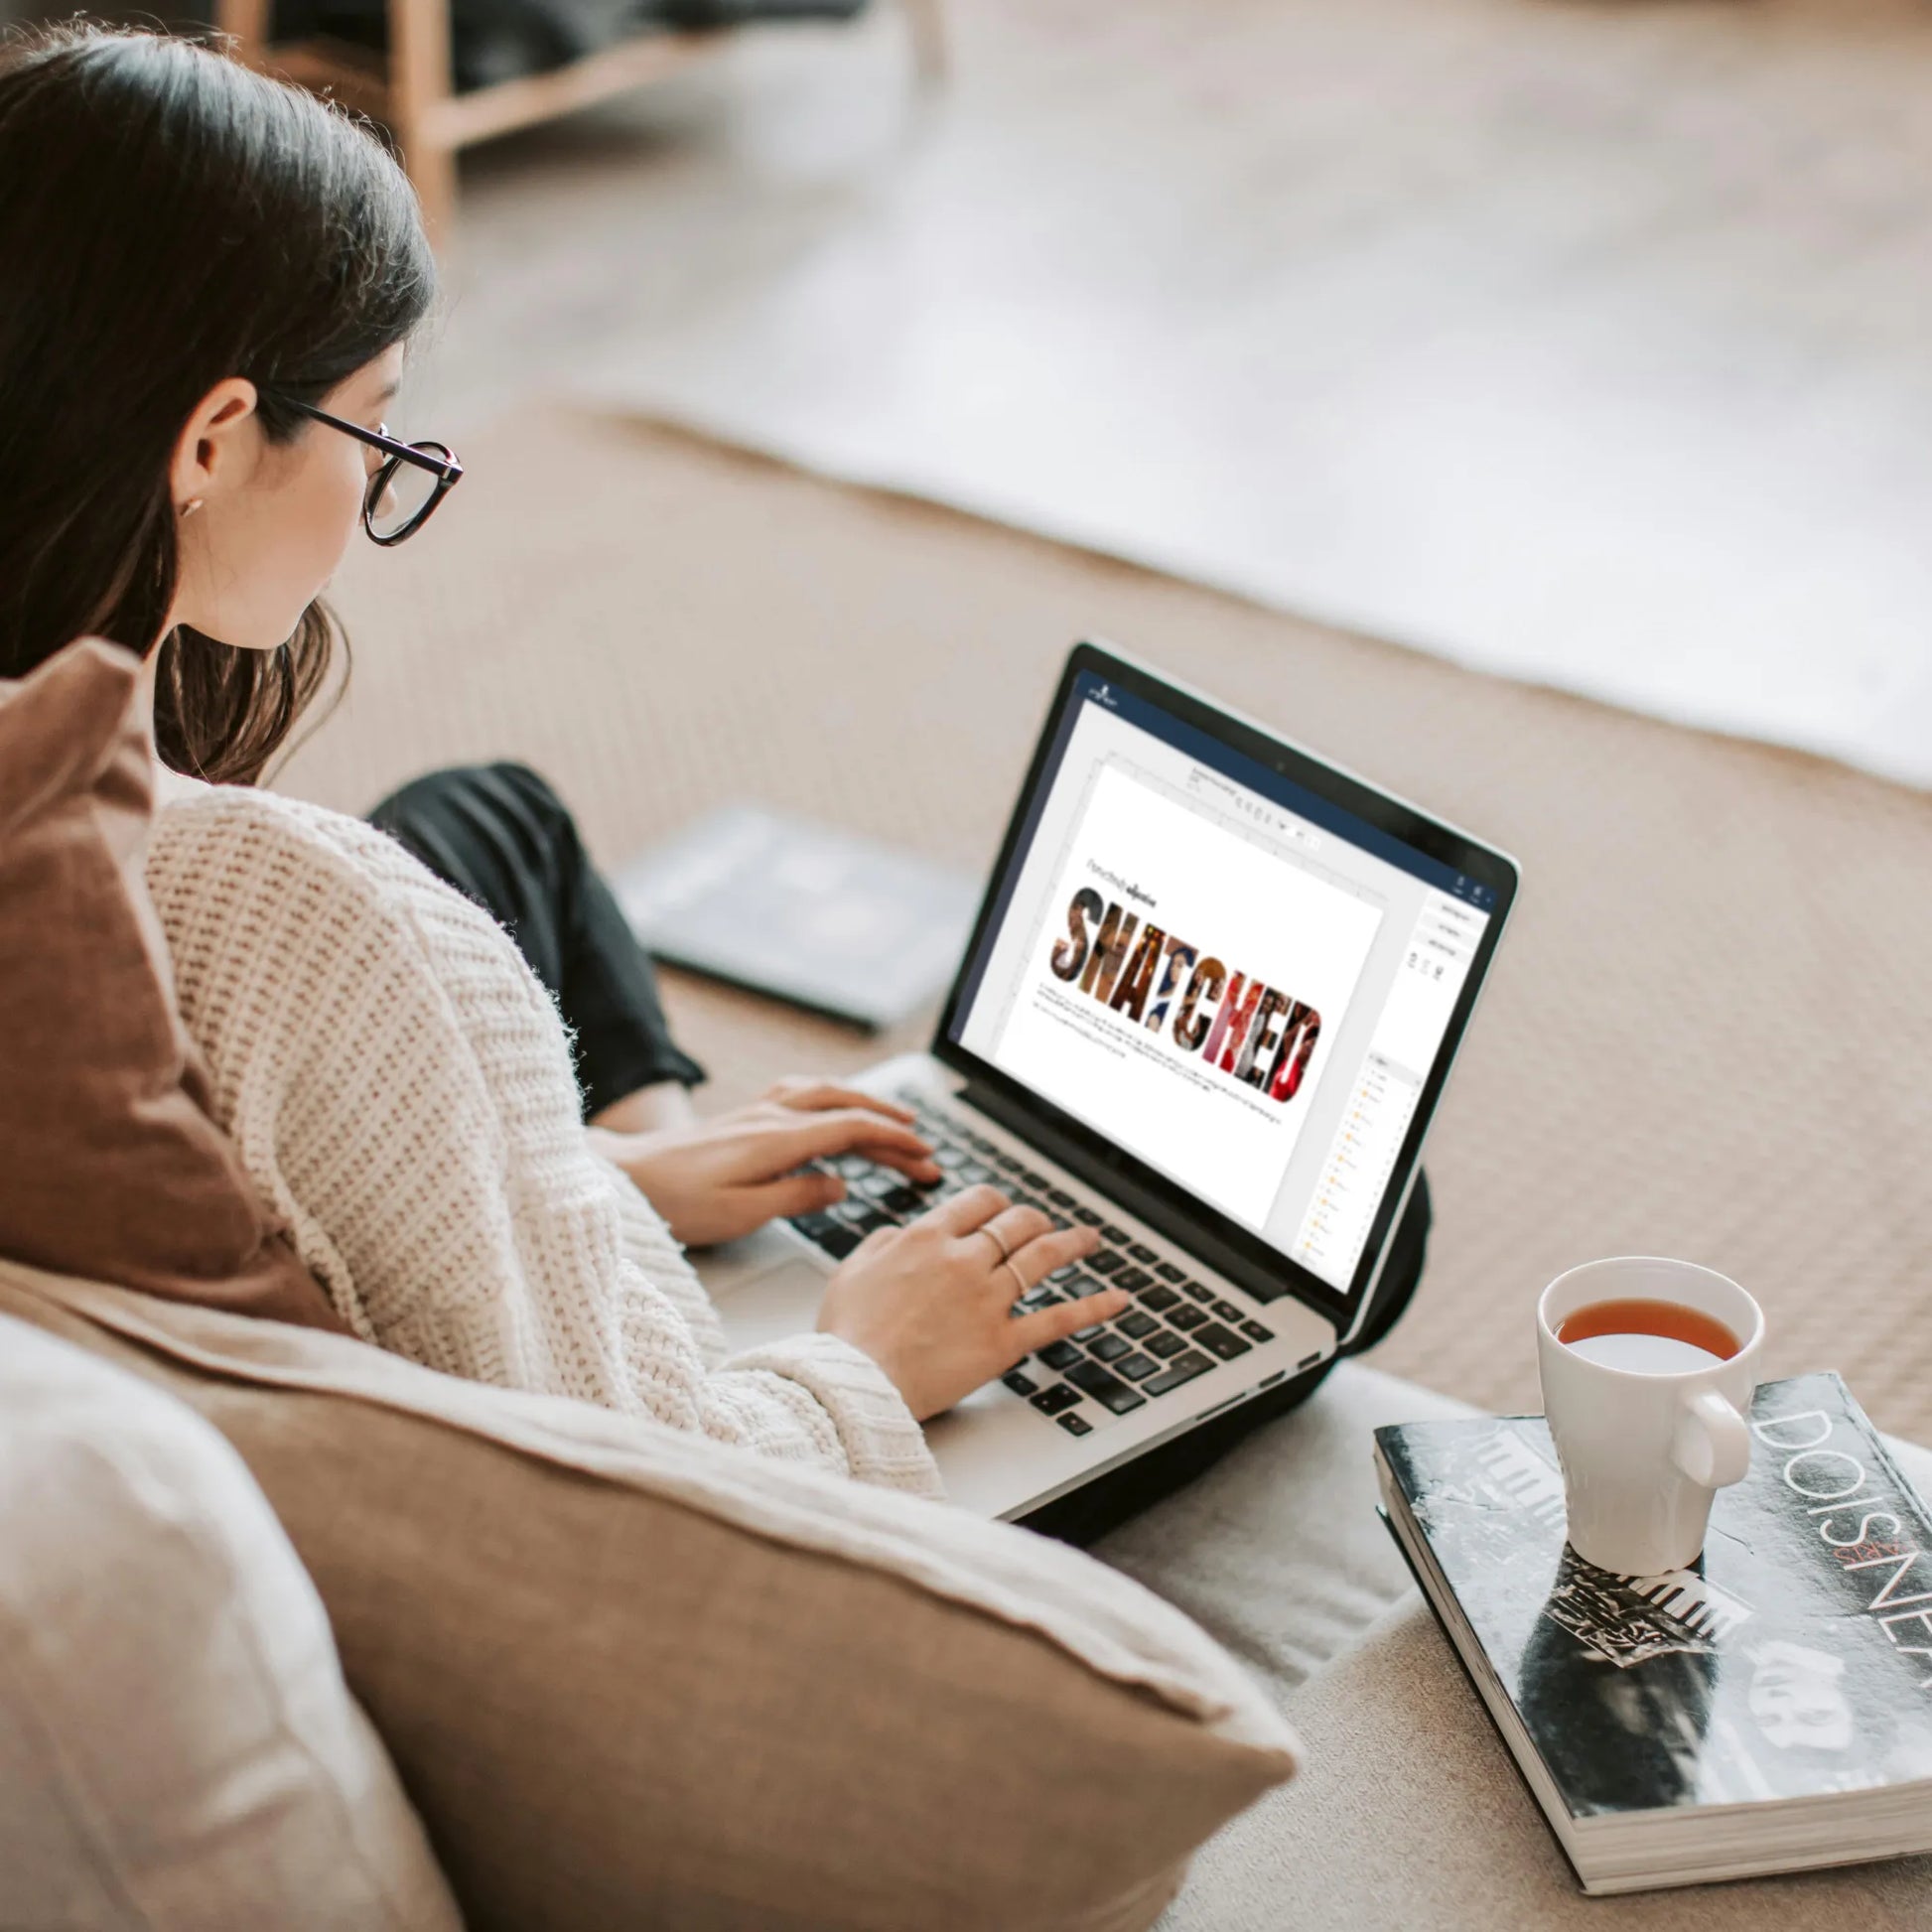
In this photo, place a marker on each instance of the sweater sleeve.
(869, 1413)
(400, 1086)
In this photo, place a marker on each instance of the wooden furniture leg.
(420, 83)
(931, 50)
(246, 23)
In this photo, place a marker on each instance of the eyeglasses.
(414, 478)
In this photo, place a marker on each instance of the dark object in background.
(696, 15)
(490, 39)
(501, 40)
(818, 917)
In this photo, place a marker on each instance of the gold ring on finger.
(992, 1234)
(1019, 1281)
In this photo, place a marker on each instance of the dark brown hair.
(171, 217)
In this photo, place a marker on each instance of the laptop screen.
(1226, 974)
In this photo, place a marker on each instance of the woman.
(208, 284)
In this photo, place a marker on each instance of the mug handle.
(1711, 1444)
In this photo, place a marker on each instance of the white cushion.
(177, 1746)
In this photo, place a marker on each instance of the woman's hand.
(718, 1179)
(930, 1301)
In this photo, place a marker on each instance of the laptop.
(1209, 1007)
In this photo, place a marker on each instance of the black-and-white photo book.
(1767, 1710)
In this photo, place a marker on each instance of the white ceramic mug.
(1643, 1452)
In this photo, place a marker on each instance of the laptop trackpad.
(764, 1287)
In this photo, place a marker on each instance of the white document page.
(1127, 1052)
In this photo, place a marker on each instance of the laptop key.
(1060, 1354)
(1141, 1253)
(811, 1226)
(1228, 1311)
(1089, 1331)
(1087, 1217)
(1185, 1317)
(1183, 1368)
(1051, 1401)
(1116, 1234)
(1170, 1272)
(1059, 1198)
(1103, 1261)
(1158, 1296)
(948, 1156)
(1075, 1283)
(903, 1200)
(1105, 1348)
(1131, 1279)
(1222, 1341)
(1137, 1324)
(1020, 1382)
(1256, 1332)
(973, 1174)
(1165, 1343)
(838, 1242)
(1199, 1293)
(1136, 1367)
(1106, 1389)
(1075, 1425)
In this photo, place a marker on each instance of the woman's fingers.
(970, 1208)
(1048, 1249)
(1029, 1333)
(812, 1096)
(1013, 1227)
(793, 1193)
(1026, 1236)
(850, 1130)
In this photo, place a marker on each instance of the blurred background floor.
(1590, 340)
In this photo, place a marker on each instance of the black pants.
(502, 837)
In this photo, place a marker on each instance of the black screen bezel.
(1238, 1251)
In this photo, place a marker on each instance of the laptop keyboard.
(1175, 1330)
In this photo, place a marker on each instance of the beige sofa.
(624, 1677)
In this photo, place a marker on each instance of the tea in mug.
(1647, 1337)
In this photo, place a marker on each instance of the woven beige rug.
(1707, 1031)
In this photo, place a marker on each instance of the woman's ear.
(216, 449)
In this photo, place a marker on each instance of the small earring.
(191, 507)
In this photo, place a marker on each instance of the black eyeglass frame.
(446, 469)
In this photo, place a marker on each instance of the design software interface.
(1228, 975)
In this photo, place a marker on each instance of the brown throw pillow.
(114, 1167)
(633, 1678)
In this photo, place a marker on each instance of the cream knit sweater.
(400, 1088)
